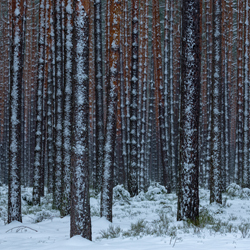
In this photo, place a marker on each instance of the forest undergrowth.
(152, 213)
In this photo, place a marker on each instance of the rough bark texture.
(99, 95)
(112, 95)
(132, 175)
(67, 123)
(16, 80)
(80, 223)
(215, 173)
(188, 196)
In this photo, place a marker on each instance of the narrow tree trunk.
(112, 92)
(132, 176)
(215, 174)
(99, 94)
(39, 106)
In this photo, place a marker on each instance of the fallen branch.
(20, 228)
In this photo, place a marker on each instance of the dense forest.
(96, 93)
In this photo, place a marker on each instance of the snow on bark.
(112, 92)
(215, 174)
(80, 207)
(188, 197)
(158, 77)
(57, 192)
(144, 68)
(132, 172)
(65, 209)
(39, 106)
(166, 87)
(50, 113)
(246, 171)
(240, 96)
(99, 94)
(16, 75)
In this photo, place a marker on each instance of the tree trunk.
(80, 207)
(16, 81)
(188, 196)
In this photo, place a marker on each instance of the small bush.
(43, 215)
(4, 214)
(27, 197)
(245, 194)
(110, 233)
(137, 229)
(234, 190)
(244, 229)
(206, 218)
(120, 195)
(156, 192)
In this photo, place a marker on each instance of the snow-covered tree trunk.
(188, 196)
(99, 94)
(215, 174)
(65, 206)
(39, 106)
(132, 175)
(50, 102)
(158, 78)
(112, 95)
(240, 96)
(127, 82)
(166, 88)
(57, 194)
(208, 5)
(15, 84)
(230, 175)
(80, 223)
(144, 82)
(246, 172)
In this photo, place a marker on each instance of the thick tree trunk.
(80, 207)
(188, 196)
(16, 81)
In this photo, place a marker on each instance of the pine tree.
(57, 192)
(65, 209)
(16, 80)
(39, 106)
(80, 207)
(188, 194)
(132, 173)
(99, 94)
(215, 174)
(112, 95)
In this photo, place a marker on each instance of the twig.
(21, 228)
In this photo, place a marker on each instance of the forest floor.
(145, 222)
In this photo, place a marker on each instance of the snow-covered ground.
(146, 222)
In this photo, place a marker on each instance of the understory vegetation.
(152, 213)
